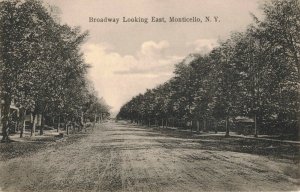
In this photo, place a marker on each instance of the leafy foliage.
(42, 68)
(254, 74)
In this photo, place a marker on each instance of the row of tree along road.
(249, 83)
(43, 73)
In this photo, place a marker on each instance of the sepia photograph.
(149, 95)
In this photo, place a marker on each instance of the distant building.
(14, 110)
(15, 114)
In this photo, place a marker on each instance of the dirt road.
(123, 157)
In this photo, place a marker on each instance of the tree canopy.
(253, 74)
(42, 67)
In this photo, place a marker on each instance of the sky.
(129, 57)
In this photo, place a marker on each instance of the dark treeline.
(43, 73)
(249, 83)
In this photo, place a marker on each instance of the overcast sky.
(128, 58)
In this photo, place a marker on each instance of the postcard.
(149, 95)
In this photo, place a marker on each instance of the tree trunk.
(17, 125)
(23, 124)
(32, 134)
(5, 122)
(198, 126)
(95, 120)
(82, 121)
(255, 126)
(58, 124)
(215, 127)
(42, 124)
(67, 127)
(227, 127)
(53, 121)
(204, 125)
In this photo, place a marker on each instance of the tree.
(280, 29)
